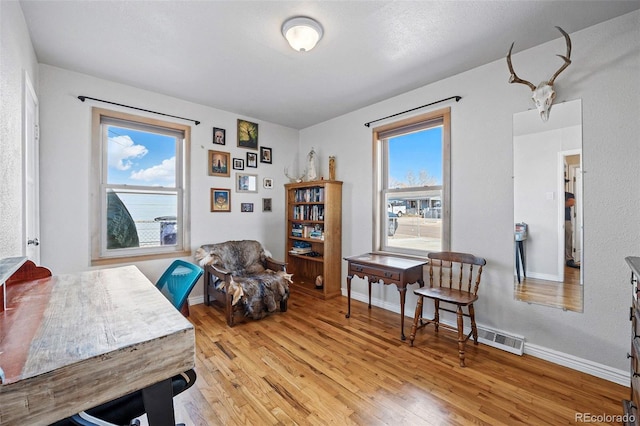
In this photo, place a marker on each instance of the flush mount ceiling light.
(302, 33)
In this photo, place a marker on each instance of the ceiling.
(231, 54)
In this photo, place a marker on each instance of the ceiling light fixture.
(302, 33)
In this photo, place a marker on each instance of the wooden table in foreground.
(388, 269)
(71, 342)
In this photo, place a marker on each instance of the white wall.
(604, 74)
(65, 166)
(16, 57)
(606, 63)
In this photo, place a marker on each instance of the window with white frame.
(140, 198)
(412, 188)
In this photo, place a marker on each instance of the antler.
(514, 78)
(567, 58)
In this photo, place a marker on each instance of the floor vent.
(500, 340)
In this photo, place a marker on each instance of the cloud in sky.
(164, 172)
(122, 150)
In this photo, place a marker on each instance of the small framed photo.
(246, 207)
(246, 182)
(219, 136)
(265, 155)
(247, 134)
(220, 200)
(267, 183)
(238, 164)
(266, 204)
(219, 163)
(252, 159)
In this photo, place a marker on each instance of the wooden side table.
(389, 270)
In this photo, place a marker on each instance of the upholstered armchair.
(241, 277)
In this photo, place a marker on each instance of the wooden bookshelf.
(314, 226)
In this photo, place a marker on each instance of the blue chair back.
(178, 280)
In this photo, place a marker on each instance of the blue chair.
(175, 283)
(178, 280)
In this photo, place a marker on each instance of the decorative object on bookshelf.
(311, 172)
(319, 281)
(332, 167)
(313, 237)
(294, 178)
(219, 163)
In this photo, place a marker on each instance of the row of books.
(309, 195)
(300, 247)
(307, 231)
(308, 212)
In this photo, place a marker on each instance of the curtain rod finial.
(82, 98)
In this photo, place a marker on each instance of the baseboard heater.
(501, 340)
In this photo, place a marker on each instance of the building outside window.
(412, 188)
(140, 187)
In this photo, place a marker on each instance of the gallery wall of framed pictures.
(220, 163)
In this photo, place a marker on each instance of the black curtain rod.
(457, 98)
(83, 98)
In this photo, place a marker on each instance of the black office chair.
(175, 283)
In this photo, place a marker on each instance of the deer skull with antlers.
(544, 94)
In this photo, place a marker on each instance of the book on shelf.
(309, 195)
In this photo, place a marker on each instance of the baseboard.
(602, 371)
(614, 375)
(196, 300)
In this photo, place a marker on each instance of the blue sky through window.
(415, 153)
(141, 158)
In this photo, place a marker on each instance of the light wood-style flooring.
(313, 366)
(566, 295)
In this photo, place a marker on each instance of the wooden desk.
(388, 269)
(71, 342)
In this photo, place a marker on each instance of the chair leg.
(416, 317)
(436, 314)
(229, 309)
(461, 336)
(474, 330)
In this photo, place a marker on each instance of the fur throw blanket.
(260, 290)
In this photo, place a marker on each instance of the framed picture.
(266, 204)
(219, 163)
(219, 136)
(265, 155)
(220, 200)
(238, 164)
(246, 207)
(247, 134)
(246, 182)
(252, 159)
(267, 183)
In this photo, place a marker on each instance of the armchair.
(241, 277)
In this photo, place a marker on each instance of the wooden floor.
(566, 295)
(312, 366)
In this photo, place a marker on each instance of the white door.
(31, 207)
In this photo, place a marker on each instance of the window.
(139, 191)
(411, 190)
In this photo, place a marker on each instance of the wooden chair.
(453, 279)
